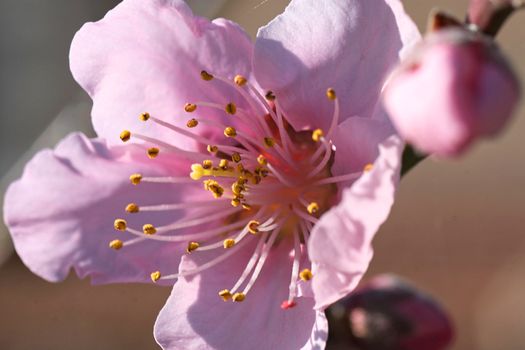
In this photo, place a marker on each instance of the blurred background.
(456, 230)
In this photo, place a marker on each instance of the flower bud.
(454, 88)
(388, 313)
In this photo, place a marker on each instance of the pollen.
(125, 135)
(238, 297)
(192, 123)
(144, 117)
(192, 246)
(236, 157)
(230, 132)
(306, 275)
(120, 225)
(312, 208)
(223, 164)
(132, 208)
(207, 164)
(240, 80)
(231, 108)
(368, 167)
(235, 202)
(317, 134)
(135, 179)
(149, 229)
(206, 76)
(190, 107)
(253, 227)
(153, 152)
(228, 243)
(270, 96)
(269, 141)
(225, 294)
(116, 244)
(262, 160)
(212, 149)
(214, 187)
(155, 276)
(246, 206)
(330, 93)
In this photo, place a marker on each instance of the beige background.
(456, 229)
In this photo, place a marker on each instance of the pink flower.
(259, 170)
(453, 90)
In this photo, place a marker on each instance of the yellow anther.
(192, 123)
(261, 172)
(223, 164)
(270, 96)
(228, 243)
(253, 227)
(306, 275)
(231, 108)
(144, 116)
(330, 93)
(116, 244)
(190, 107)
(269, 141)
(230, 132)
(206, 76)
(132, 208)
(368, 167)
(120, 224)
(237, 188)
(240, 80)
(262, 160)
(236, 157)
(236, 201)
(192, 246)
(238, 297)
(155, 276)
(153, 152)
(149, 229)
(207, 164)
(317, 134)
(225, 294)
(246, 206)
(125, 135)
(135, 179)
(313, 208)
(214, 187)
(212, 149)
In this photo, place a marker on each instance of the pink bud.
(388, 313)
(455, 88)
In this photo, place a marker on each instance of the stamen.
(120, 225)
(253, 227)
(368, 167)
(313, 208)
(230, 132)
(236, 157)
(269, 142)
(153, 152)
(190, 107)
(125, 135)
(192, 123)
(149, 229)
(317, 134)
(306, 275)
(144, 116)
(270, 96)
(212, 149)
(231, 108)
(225, 294)
(330, 93)
(228, 243)
(135, 178)
(192, 246)
(238, 297)
(206, 76)
(155, 276)
(132, 208)
(240, 80)
(116, 244)
(335, 179)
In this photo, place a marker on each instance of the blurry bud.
(490, 15)
(388, 314)
(455, 88)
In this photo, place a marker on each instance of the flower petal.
(195, 317)
(348, 45)
(341, 242)
(61, 212)
(146, 56)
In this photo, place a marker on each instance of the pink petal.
(146, 56)
(357, 141)
(195, 317)
(61, 212)
(341, 242)
(348, 45)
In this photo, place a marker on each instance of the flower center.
(266, 182)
